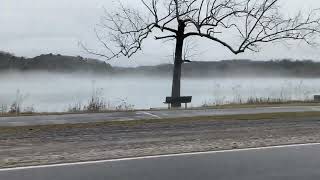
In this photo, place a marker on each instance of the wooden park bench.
(317, 98)
(182, 99)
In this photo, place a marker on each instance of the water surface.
(55, 92)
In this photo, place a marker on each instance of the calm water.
(53, 93)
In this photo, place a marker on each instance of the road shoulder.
(36, 145)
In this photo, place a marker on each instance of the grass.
(171, 121)
(264, 104)
(224, 106)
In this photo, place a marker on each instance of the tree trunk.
(176, 81)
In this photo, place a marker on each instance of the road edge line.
(156, 156)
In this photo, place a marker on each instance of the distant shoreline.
(51, 63)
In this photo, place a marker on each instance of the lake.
(57, 92)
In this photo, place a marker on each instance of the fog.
(57, 92)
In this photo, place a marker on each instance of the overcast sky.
(32, 27)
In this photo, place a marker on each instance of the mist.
(56, 92)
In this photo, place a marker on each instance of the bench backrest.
(182, 99)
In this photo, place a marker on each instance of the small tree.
(252, 22)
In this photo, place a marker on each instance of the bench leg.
(169, 107)
(185, 105)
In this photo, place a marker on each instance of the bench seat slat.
(182, 99)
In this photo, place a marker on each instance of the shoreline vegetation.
(101, 107)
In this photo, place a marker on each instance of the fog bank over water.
(57, 63)
(49, 92)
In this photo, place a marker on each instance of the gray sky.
(33, 27)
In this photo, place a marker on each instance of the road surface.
(289, 162)
(136, 115)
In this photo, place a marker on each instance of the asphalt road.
(292, 163)
(135, 115)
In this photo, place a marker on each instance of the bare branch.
(165, 37)
(252, 22)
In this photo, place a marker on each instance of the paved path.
(278, 163)
(135, 115)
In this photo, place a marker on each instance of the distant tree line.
(233, 68)
(208, 69)
(52, 63)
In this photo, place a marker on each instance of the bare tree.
(250, 22)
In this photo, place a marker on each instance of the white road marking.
(124, 119)
(150, 114)
(13, 123)
(277, 107)
(157, 156)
